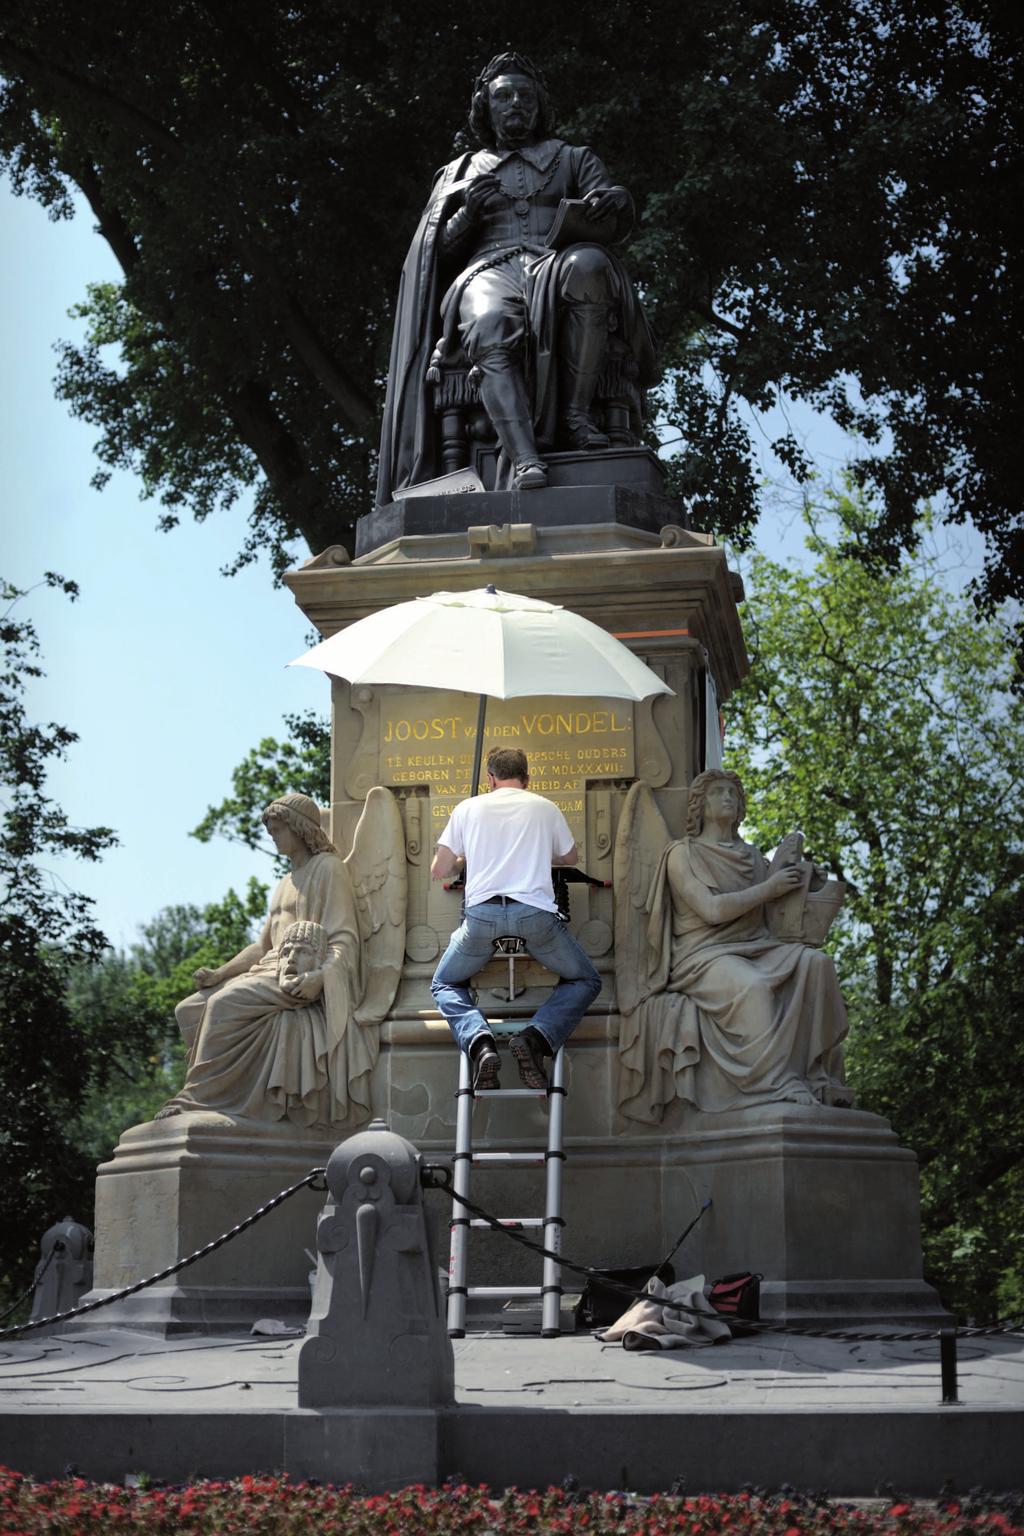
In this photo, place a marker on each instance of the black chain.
(440, 1178)
(30, 1290)
(311, 1179)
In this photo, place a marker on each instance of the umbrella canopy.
(489, 643)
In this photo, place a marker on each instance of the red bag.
(737, 1297)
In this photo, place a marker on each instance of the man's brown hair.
(508, 763)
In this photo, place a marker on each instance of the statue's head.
(511, 104)
(303, 948)
(698, 795)
(302, 814)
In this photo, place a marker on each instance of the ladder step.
(510, 1093)
(508, 1221)
(505, 1290)
(511, 1159)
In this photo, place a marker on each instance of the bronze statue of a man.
(531, 311)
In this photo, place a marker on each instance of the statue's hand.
(308, 986)
(613, 200)
(483, 192)
(205, 977)
(783, 882)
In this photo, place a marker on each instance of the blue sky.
(168, 671)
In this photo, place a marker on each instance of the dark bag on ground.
(601, 1305)
(737, 1297)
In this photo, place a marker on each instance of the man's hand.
(308, 986)
(205, 977)
(482, 193)
(783, 882)
(614, 200)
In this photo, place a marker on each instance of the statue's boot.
(504, 398)
(583, 344)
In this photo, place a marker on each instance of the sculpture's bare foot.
(801, 1096)
(167, 1111)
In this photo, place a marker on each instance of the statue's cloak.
(407, 447)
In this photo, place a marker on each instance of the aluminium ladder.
(550, 1224)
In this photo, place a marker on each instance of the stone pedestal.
(173, 1185)
(823, 1202)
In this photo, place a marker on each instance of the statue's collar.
(539, 155)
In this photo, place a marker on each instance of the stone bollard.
(377, 1336)
(68, 1275)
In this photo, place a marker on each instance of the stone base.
(626, 487)
(823, 1202)
(174, 1185)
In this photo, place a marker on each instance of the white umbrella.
(491, 643)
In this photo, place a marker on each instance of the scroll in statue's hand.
(308, 986)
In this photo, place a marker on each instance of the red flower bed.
(273, 1506)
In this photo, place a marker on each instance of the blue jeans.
(547, 940)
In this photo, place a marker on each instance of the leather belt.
(489, 899)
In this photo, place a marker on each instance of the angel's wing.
(639, 842)
(379, 877)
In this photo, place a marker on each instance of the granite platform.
(843, 1416)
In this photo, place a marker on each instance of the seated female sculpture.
(287, 1028)
(715, 1009)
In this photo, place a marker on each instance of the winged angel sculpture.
(288, 1029)
(725, 1000)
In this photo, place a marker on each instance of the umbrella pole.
(478, 751)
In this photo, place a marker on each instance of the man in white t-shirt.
(509, 840)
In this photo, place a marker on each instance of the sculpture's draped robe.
(735, 1017)
(261, 1053)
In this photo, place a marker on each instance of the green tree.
(301, 763)
(826, 191)
(45, 930)
(880, 717)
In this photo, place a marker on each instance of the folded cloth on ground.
(652, 1323)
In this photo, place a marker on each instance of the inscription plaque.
(567, 743)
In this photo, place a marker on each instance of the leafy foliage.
(881, 718)
(45, 929)
(826, 194)
(300, 764)
(87, 1036)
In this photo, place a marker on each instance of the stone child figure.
(716, 1009)
(533, 321)
(287, 1028)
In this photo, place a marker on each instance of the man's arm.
(569, 859)
(444, 863)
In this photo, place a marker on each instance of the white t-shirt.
(508, 839)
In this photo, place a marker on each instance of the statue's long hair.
(510, 63)
(302, 814)
(698, 790)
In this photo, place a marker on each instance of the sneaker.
(528, 1050)
(486, 1066)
